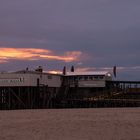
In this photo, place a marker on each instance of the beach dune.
(71, 124)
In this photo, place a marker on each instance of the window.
(90, 78)
(101, 77)
(80, 78)
(95, 77)
(86, 77)
(49, 77)
(75, 78)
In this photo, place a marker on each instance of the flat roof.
(87, 73)
(30, 72)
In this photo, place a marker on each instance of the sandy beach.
(71, 124)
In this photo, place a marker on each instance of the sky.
(89, 34)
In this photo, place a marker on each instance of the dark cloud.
(106, 30)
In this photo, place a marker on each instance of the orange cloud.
(36, 54)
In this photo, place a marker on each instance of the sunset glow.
(7, 54)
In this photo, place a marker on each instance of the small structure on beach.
(37, 89)
(88, 79)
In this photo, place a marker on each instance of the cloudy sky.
(89, 34)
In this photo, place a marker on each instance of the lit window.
(109, 75)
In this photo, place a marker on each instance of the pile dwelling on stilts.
(36, 89)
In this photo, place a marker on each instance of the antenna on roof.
(64, 70)
(72, 69)
(115, 71)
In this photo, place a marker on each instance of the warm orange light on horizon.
(54, 72)
(36, 54)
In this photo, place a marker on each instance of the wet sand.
(71, 124)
